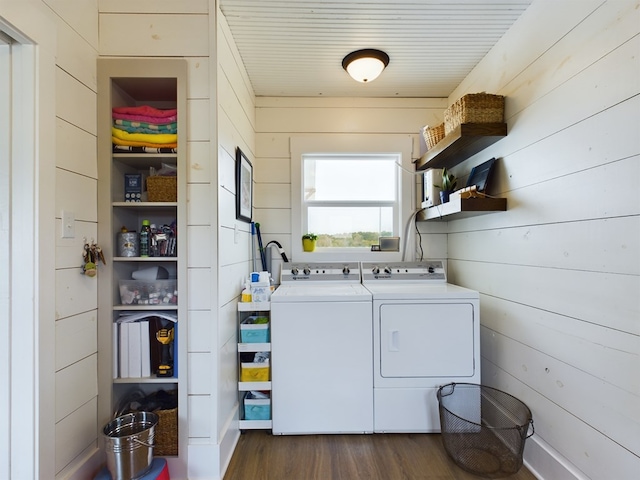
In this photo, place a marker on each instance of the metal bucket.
(128, 245)
(129, 441)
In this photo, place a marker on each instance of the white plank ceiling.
(296, 47)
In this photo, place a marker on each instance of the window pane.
(350, 227)
(357, 178)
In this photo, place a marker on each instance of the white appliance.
(321, 350)
(430, 191)
(426, 333)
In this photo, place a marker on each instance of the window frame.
(350, 144)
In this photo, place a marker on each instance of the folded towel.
(149, 131)
(128, 124)
(163, 138)
(129, 143)
(134, 149)
(145, 118)
(146, 110)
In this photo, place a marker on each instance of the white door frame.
(30, 327)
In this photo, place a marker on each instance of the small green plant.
(310, 236)
(449, 181)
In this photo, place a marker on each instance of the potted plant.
(309, 242)
(449, 182)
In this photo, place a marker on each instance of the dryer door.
(426, 340)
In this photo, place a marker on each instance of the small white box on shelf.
(260, 292)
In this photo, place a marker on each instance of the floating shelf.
(466, 140)
(458, 207)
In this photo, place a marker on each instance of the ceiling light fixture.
(365, 65)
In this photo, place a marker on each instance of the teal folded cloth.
(145, 127)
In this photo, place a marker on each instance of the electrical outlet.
(68, 224)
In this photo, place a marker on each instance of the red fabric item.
(146, 110)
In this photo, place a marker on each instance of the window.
(349, 190)
(350, 201)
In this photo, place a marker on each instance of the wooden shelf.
(146, 380)
(466, 140)
(458, 207)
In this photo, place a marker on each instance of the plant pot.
(308, 245)
(444, 196)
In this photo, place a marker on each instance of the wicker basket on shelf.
(166, 434)
(432, 135)
(474, 108)
(162, 189)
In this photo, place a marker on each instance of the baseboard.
(547, 464)
(85, 466)
(229, 441)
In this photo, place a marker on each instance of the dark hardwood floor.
(262, 456)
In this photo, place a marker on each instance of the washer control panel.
(425, 271)
(346, 272)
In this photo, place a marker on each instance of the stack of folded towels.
(144, 129)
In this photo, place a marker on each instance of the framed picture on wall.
(244, 187)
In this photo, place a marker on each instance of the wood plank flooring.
(262, 456)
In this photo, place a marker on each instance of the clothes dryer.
(321, 350)
(426, 333)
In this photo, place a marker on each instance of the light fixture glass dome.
(365, 65)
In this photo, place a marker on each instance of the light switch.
(68, 224)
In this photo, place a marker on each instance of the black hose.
(280, 249)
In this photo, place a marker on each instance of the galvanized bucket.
(129, 441)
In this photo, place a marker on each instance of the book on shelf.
(138, 351)
(135, 350)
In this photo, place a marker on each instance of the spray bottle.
(246, 293)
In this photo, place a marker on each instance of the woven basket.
(432, 135)
(166, 443)
(474, 108)
(162, 189)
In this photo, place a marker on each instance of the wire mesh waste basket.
(483, 429)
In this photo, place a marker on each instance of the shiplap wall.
(280, 118)
(235, 128)
(559, 272)
(76, 391)
(187, 29)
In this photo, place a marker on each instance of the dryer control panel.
(344, 272)
(425, 271)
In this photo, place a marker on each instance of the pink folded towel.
(145, 118)
(146, 110)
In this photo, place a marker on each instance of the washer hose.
(280, 249)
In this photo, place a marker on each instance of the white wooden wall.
(559, 272)
(186, 29)
(235, 128)
(280, 118)
(76, 391)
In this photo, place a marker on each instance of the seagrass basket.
(474, 108)
(166, 433)
(162, 189)
(432, 135)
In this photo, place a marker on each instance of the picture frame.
(244, 187)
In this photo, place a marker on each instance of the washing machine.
(321, 350)
(426, 333)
